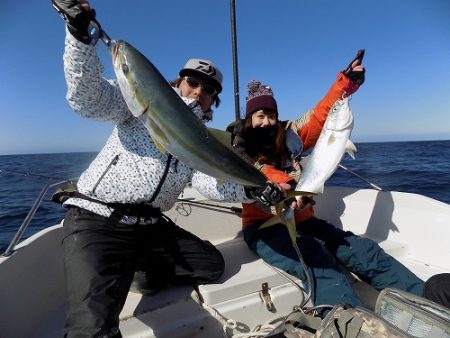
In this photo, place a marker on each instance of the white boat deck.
(412, 228)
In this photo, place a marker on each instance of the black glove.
(76, 17)
(269, 194)
(357, 77)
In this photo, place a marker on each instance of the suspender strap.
(119, 209)
(163, 178)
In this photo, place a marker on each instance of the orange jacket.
(309, 130)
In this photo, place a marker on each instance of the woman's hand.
(355, 71)
(303, 202)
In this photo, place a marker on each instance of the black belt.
(141, 211)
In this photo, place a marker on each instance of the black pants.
(101, 258)
(437, 289)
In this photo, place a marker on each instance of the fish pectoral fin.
(293, 193)
(288, 219)
(292, 229)
(279, 208)
(350, 148)
(320, 190)
(158, 145)
(272, 221)
(304, 161)
(155, 132)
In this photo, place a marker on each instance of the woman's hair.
(279, 151)
(176, 84)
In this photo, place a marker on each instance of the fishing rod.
(234, 210)
(361, 178)
(235, 59)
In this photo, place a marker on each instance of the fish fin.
(223, 137)
(279, 208)
(321, 187)
(158, 145)
(292, 229)
(153, 130)
(220, 182)
(304, 161)
(293, 193)
(272, 221)
(288, 219)
(351, 149)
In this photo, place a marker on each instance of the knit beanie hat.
(259, 97)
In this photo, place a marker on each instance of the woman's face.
(264, 118)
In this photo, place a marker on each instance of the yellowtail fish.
(171, 124)
(333, 142)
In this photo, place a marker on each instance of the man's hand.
(77, 15)
(269, 194)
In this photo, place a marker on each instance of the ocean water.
(421, 167)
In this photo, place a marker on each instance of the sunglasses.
(207, 89)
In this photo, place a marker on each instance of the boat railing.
(37, 203)
(44, 190)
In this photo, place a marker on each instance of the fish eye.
(125, 68)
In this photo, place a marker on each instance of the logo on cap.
(206, 68)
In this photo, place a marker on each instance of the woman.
(275, 147)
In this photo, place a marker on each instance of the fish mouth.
(115, 53)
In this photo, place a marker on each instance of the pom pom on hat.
(256, 88)
(259, 97)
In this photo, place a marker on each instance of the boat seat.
(393, 248)
(137, 303)
(244, 274)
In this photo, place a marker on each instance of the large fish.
(171, 124)
(333, 142)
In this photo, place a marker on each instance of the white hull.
(413, 228)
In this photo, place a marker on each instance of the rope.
(260, 330)
(226, 323)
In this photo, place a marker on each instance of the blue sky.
(295, 46)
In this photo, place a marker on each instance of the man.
(114, 225)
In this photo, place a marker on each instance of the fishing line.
(21, 173)
(361, 178)
(234, 210)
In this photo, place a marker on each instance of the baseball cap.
(206, 70)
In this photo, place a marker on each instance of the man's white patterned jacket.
(129, 167)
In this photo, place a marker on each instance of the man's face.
(194, 88)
